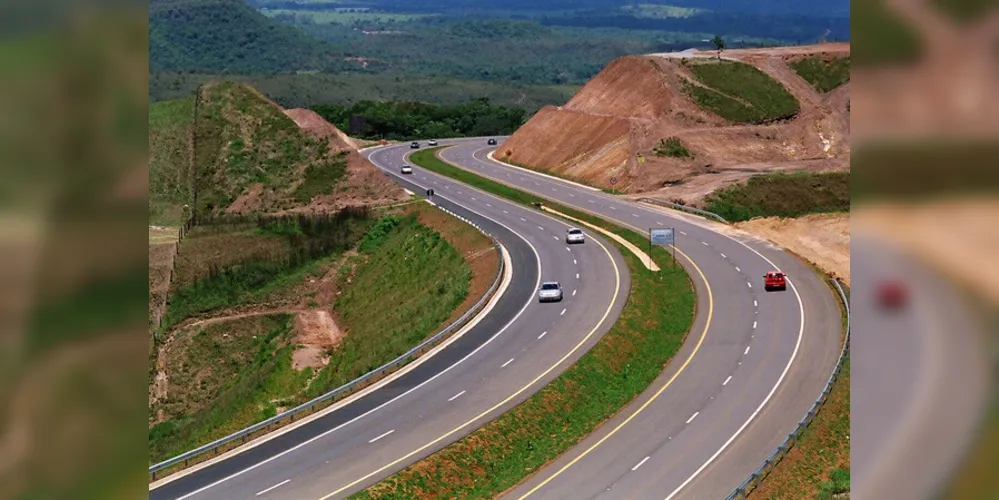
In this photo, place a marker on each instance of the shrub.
(672, 147)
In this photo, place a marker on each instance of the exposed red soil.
(610, 127)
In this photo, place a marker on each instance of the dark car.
(414, 145)
(492, 142)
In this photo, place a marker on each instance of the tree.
(719, 44)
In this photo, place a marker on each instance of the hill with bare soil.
(252, 156)
(684, 124)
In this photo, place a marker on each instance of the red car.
(774, 280)
(892, 294)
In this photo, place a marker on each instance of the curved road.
(921, 377)
(519, 346)
(749, 371)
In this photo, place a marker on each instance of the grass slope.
(823, 75)
(782, 195)
(242, 141)
(403, 290)
(740, 92)
(650, 330)
(169, 160)
(403, 286)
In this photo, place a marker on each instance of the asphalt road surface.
(519, 347)
(920, 376)
(735, 389)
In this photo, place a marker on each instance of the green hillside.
(227, 35)
(169, 160)
(244, 143)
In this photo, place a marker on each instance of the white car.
(550, 291)
(574, 235)
(406, 169)
(432, 142)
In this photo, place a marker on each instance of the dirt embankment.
(612, 125)
(822, 239)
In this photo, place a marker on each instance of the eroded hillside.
(687, 123)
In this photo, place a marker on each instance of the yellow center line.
(669, 382)
(617, 289)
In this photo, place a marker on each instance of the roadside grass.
(739, 92)
(882, 37)
(320, 16)
(406, 282)
(409, 283)
(650, 330)
(818, 465)
(170, 125)
(782, 195)
(224, 377)
(823, 75)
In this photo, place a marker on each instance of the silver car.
(432, 142)
(550, 291)
(406, 169)
(574, 235)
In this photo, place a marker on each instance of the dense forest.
(414, 120)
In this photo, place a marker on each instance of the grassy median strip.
(656, 318)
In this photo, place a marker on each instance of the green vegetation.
(911, 170)
(782, 195)
(227, 35)
(236, 372)
(965, 11)
(656, 11)
(740, 92)
(823, 75)
(414, 120)
(242, 140)
(882, 37)
(170, 160)
(297, 242)
(302, 16)
(408, 266)
(320, 178)
(818, 466)
(650, 330)
(673, 147)
(227, 378)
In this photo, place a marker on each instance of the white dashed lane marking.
(282, 483)
(456, 396)
(383, 435)
(639, 464)
(508, 362)
(747, 350)
(692, 417)
(726, 380)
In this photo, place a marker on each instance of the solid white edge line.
(383, 435)
(640, 464)
(282, 483)
(692, 417)
(424, 358)
(456, 396)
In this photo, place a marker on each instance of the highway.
(514, 351)
(920, 376)
(735, 389)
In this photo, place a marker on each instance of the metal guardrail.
(757, 477)
(310, 406)
(684, 208)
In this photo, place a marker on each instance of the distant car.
(774, 280)
(573, 235)
(414, 145)
(406, 169)
(491, 142)
(432, 142)
(892, 295)
(550, 291)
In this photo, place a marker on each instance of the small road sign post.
(662, 237)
